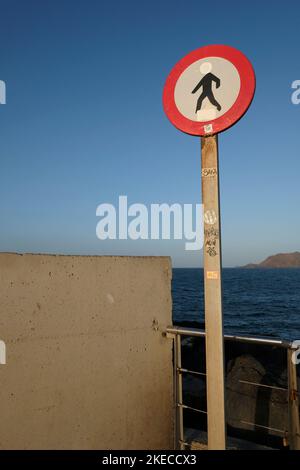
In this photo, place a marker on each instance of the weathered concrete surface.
(87, 365)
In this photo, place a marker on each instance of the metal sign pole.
(213, 295)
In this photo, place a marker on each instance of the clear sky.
(84, 123)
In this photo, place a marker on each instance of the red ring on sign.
(237, 110)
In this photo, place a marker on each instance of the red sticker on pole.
(209, 90)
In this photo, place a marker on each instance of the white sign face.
(207, 89)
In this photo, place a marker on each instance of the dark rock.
(248, 404)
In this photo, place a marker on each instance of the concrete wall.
(87, 365)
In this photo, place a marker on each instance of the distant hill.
(282, 260)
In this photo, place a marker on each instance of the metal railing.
(292, 435)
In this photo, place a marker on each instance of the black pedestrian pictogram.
(206, 84)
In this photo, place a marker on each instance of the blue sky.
(84, 123)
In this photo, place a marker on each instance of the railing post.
(179, 393)
(293, 403)
(176, 431)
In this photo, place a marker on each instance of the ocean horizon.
(259, 302)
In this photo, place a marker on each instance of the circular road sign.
(209, 90)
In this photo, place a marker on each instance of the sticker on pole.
(209, 90)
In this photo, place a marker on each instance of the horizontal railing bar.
(186, 407)
(264, 427)
(263, 385)
(259, 340)
(187, 371)
(185, 331)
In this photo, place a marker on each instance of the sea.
(259, 302)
